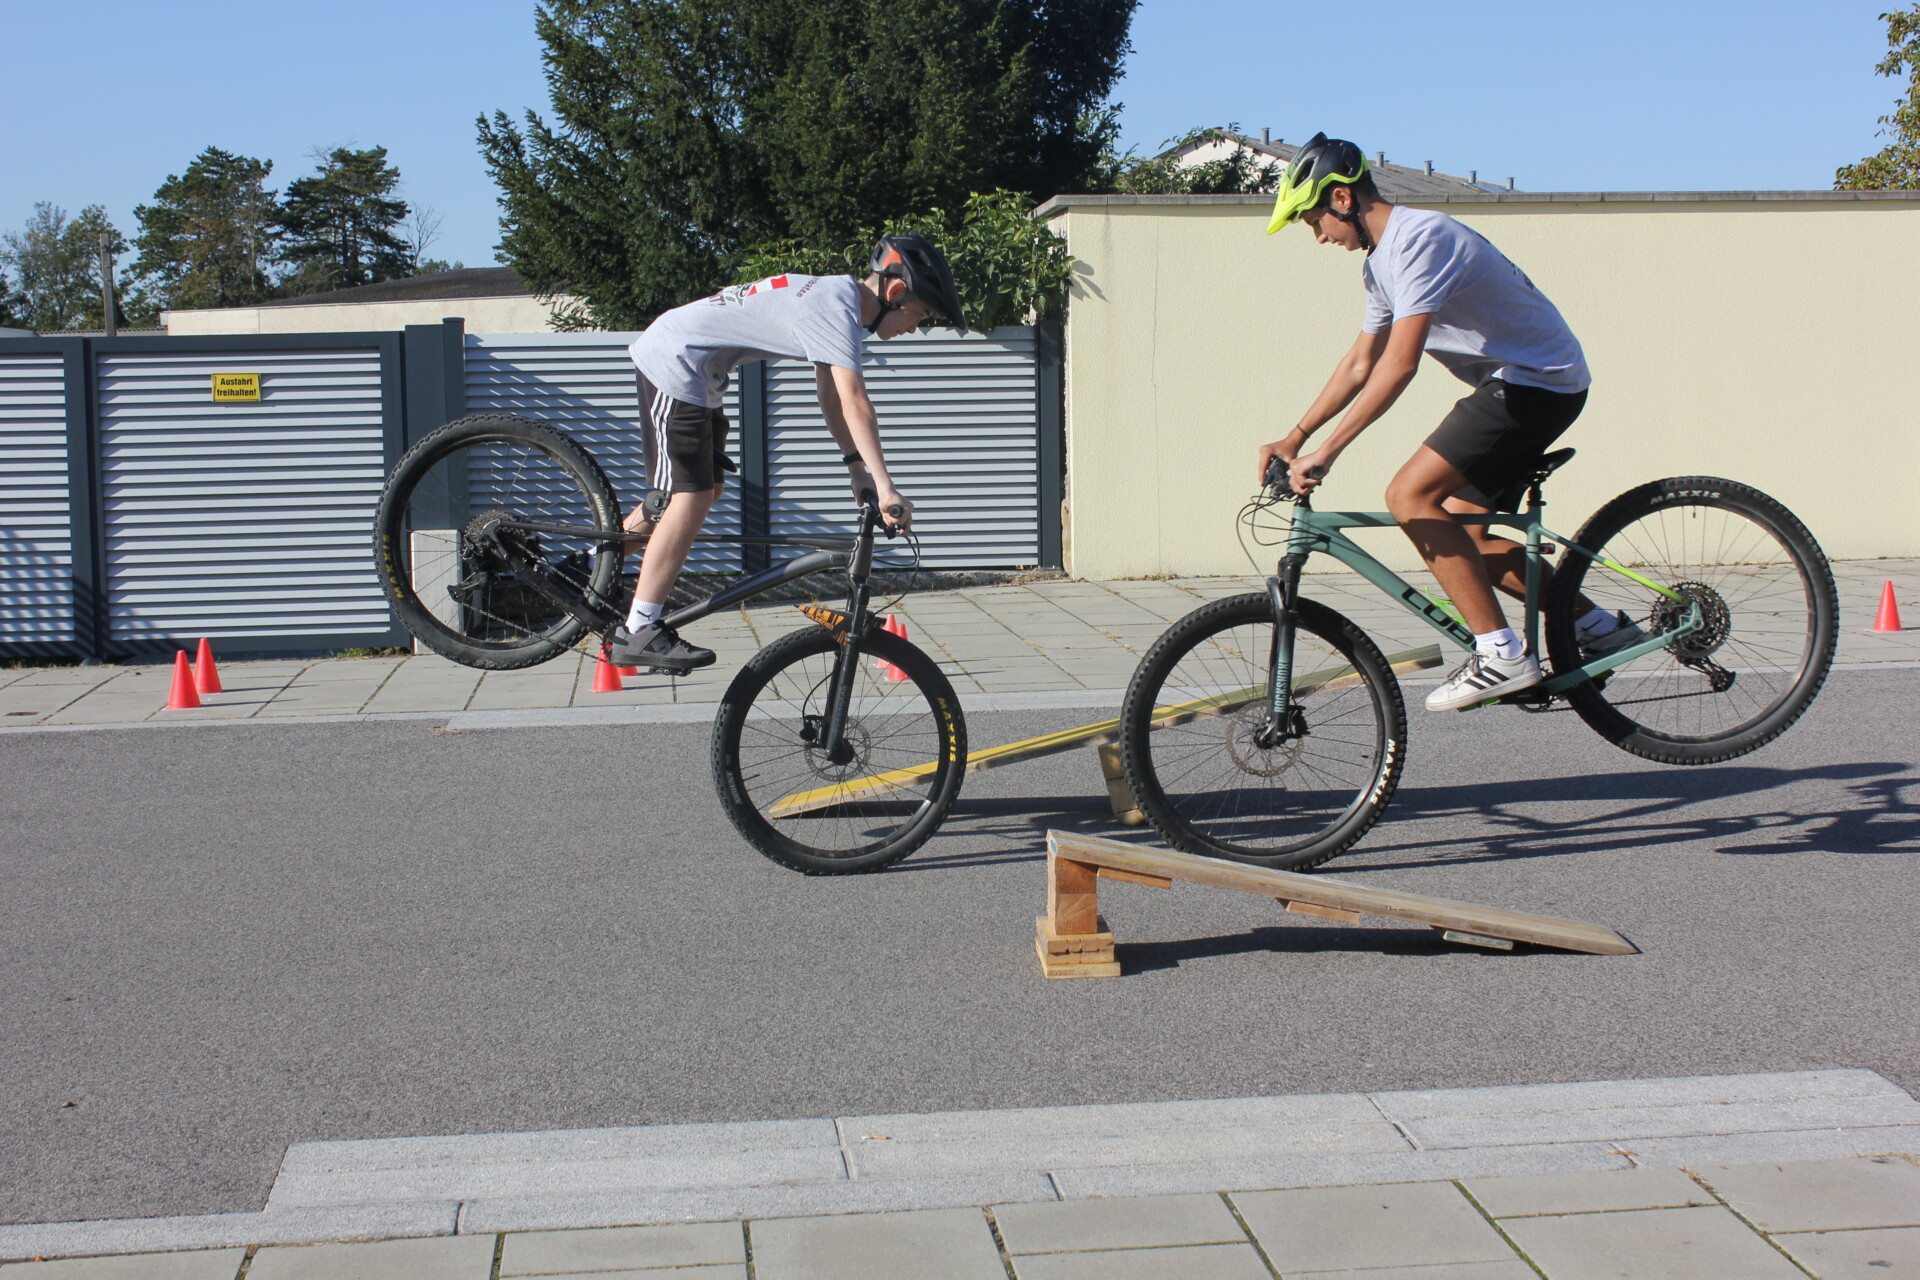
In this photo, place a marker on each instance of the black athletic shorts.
(1496, 435)
(686, 443)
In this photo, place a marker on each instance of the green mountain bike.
(1301, 734)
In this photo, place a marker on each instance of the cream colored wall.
(518, 314)
(1772, 343)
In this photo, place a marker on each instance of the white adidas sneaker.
(1483, 676)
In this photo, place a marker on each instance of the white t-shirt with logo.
(691, 351)
(1489, 321)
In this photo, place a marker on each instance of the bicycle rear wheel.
(1199, 696)
(804, 811)
(1765, 592)
(449, 586)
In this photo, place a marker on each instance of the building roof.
(468, 282)
(1396, 181)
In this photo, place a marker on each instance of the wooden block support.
(1119, 794)
(1077, 863)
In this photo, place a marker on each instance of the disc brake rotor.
(1243, 726)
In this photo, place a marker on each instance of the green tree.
(1241, 171)
(209, 235)
(54, 263)
(687, 130)
(339, 224)
(1897, 165)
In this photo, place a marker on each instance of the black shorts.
(1496, 435)
(685, 443)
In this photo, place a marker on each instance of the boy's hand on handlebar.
(895, 509)
(1307, 470)
(1284, 449)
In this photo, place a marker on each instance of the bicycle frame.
(1324, 532)
(855, 554)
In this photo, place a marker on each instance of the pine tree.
(339, 224)
(1897, 165)
(209, 235)
(686, 131)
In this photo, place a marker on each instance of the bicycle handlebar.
(1279, 485)
(869, 501)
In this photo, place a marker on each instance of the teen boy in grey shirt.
(684, 360)
(1437, 286)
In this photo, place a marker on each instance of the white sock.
(644, 614)
(1595, 622)
(1501, 644)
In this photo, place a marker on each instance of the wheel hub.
(1716, 621)
(1245, 730)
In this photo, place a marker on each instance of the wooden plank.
(1134, 877)
(1057, 944)
(1053, 967)
(1105, 734)
(1113, 768)
(1318, 891)
(1324, 913)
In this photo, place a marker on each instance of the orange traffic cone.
(898, 628)
(629, 672)
(606, 676)
(1889, 619)
(206, 676)
(184, 696)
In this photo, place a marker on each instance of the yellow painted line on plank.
(1101, 734)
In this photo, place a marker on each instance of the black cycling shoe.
(658, 646)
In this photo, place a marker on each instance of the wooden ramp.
(1105, 735)
(1074, 941)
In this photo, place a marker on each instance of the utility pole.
(106, 279)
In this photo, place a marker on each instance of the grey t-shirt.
(1489, 321)
(691, 351)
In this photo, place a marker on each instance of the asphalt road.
(218, 941)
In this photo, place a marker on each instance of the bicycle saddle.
(1550, 463)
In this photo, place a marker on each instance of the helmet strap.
(873, 330)
(1353, 218)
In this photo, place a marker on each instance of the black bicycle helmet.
(1317, 168)
(912, 258)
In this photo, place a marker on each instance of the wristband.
(850, 458)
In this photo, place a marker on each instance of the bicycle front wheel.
(1189, 729)
(449, 583)
(1770, 619)
(905, 749)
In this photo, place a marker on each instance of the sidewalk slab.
(1190, 1262)
(455, 1258)
(1659, 1244)
(539, 1253)
(1406, 1225)
(1141, 1222)
(1613, 1190)
(1821, 1195)
(213, 1264)
(935, 1244)
(1886, 1254)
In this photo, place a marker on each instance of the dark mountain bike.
(1269, 729)
(499, 545)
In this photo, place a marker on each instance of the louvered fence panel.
(37, 536)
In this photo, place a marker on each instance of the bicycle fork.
(1283, 721)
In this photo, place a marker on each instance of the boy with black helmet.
(1437, 286)
(685, 358)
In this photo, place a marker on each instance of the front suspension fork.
(1283, 589)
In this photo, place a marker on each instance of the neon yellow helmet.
(1322, 164)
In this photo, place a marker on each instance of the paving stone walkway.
(1057, 641)
(1753, 1177)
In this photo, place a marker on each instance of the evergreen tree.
(55, 266)
(209, 235)
(1898, 163)
(339, 224)
(1239, 172)
(687, 130)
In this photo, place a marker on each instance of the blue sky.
(108, 97)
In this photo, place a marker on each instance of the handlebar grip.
(896, 511)
(868, 498)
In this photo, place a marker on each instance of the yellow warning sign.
(235, 387)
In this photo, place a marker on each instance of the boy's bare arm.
(1348, 377)
(856, 429)
(1398, 361)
